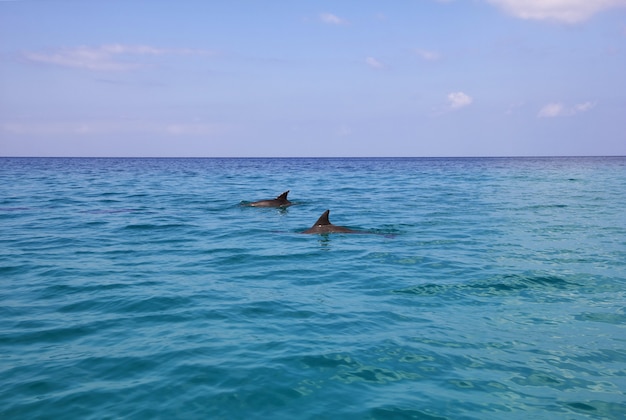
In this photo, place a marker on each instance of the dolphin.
(280, 201)
(323, 225)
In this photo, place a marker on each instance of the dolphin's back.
(280, 201)
(323, 225)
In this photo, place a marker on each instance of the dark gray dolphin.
(280, 201)
(323, 225)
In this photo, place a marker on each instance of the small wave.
(12, 269)
(504, 285)
(152, 226)
(86, 288)
(107, 211)
(521, 282)
(609, 318)
(545, 206)
(386, 412)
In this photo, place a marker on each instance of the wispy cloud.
(95, 127)
(343, 131)
(514, 107)
(105, 58)
(374, 63)
(457, 100)
(428, 55)
(558, 109)
(331, 19)
(551, 110)
(569, 11)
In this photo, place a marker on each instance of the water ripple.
(140, 288)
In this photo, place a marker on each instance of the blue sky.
(312, 78)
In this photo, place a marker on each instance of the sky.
(195, 78)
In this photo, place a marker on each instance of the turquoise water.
(142, 288)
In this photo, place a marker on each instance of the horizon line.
(317, 157)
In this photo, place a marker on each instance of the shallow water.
(142, 288)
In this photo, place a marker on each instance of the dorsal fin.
(323, 220)
(283, 196)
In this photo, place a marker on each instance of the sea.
(476, 288)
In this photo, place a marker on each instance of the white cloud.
(332, 19)
(557, 109)
(428, 55)
(458, 100)
(374, 63)
(586, 106)
(569, 11)
(112, 57)
(551, 110)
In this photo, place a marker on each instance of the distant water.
(141, 288)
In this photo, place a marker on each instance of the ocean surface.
(487, 288)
